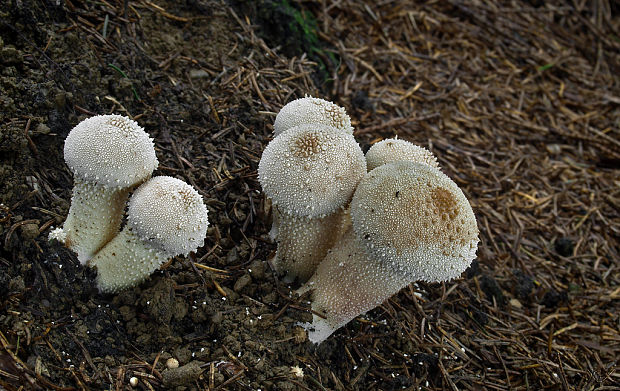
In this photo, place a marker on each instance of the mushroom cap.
(391, 150)
(309, 110)
(311, 170)
(169, 214)
(111, 150)
(413, 217)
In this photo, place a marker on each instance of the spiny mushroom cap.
(111, 150)
(391, 150)
(311, 110)
(413, 217)
(169, 214)
(311, 170)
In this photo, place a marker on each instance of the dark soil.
(520, 101)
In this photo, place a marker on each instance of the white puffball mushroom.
(311, 170)
(310, 110)
(133, 381)
(391, 150)
(416, 218)
(166, 217)
(108, 155)
(409, 222)
(310, 173)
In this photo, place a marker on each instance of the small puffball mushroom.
(409, 222)
(309, 110)
(392, 150)
(310, 173)
(166, 217)
(108, 155)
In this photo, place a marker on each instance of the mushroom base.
(347, 284)
(94, 218)
(303, 242)
(126, 261)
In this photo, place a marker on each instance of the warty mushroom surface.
(310, 173)
(166, 217)
(108, 155)
(310, 110)
(409, 222)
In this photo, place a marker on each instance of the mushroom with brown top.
(393, 149)
(309, 110)
(108, 155)
(409, 222)
(166, 217)
(310, 173)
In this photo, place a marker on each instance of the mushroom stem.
(126, 261)
(303, 242)
(347, 283)
(94, 217)
(165, 217)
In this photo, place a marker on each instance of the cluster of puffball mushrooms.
(355, 228)
(110, 156)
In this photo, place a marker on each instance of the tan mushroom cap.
(111, 150)
(392, 150)
(309, 110)
(169, 214)
(414, 217)
(311, 170)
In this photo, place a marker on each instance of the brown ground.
(520, 101)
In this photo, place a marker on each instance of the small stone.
(564, 246)
(172, 363)
(29, 231)
(60, 100)
(42, 129)
(133, 381)
(181, 376)
(198, 73)
(515, 303)
(242, 282)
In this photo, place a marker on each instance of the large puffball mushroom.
(310, 173)
(409, 222)
(108, 155)
(416, 218)
(166, 217)
(391, 150)
(309, 110)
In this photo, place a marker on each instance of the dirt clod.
(181, 376)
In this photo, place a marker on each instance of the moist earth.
(205, 79)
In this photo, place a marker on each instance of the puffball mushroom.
(108, 155)
(310, 173)
(391, 150)
(309, 110)
(166, 217)
(409, 222)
